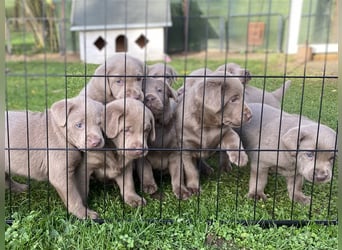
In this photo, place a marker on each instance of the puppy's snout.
(322, 175)
(150, 98)
(132, 93)
(94, 141)
(137, 150)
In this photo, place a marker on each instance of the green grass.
(40, 218)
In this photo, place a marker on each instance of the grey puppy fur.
(194, 76)
(68, 121)
(160, 98)
(308, 162)
(254, 94)
(206, 122)
(236, 70)
(120, 76)
(164, 72)
(129, 125)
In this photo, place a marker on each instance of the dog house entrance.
(121, 44)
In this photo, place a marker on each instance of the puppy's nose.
(321, 175)
(149, 98)
(137, 150)
(94, 142)
(134, 94)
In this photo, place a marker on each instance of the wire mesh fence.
(224, 127)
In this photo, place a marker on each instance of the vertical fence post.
(294, 26)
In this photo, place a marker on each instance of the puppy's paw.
(226, 166)
(135, 201)
(157, 196)
(150, 188)
(238, 158)
(92, 214)
(302, 199)
(182, 193)
(194, 190)
(86, 213)
(257, 196)
(18, 187)
(204, 168)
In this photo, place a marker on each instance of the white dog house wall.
(105, 27)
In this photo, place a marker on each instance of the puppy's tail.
(278, 93)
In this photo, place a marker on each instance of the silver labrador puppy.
(306, 150)
(205, 117)
(52, 152)
(120, 76)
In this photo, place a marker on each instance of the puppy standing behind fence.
(47, 148)
(120, 76)
(312, 160)
(160, 98)
(204, 120)
(129, 125)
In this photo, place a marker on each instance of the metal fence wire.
(102, 124)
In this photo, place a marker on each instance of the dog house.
(133, 26)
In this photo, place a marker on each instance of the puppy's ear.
(212, 91)
(171, 93)
(60, 111)
(114, 111)
(293, 137)
(101, 79)
(174, 74)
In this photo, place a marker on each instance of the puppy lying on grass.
(306, 150)
(129, 125)
(46, 146)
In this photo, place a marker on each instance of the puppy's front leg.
(231, 140)
(191, 173)
(257, 182)
(126, 185)
(177, 176)
(69, 192)
(294, 188)
(82, 177)
(146, 177)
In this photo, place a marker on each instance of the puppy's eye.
(79, 125)
(310, 155)
(332, 159)
(139, 79)
(127, 129)
(234, 99)
(159, 90)
(119, 81)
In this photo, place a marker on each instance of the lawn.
(207, 221)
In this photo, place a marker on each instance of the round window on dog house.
(121, 44)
